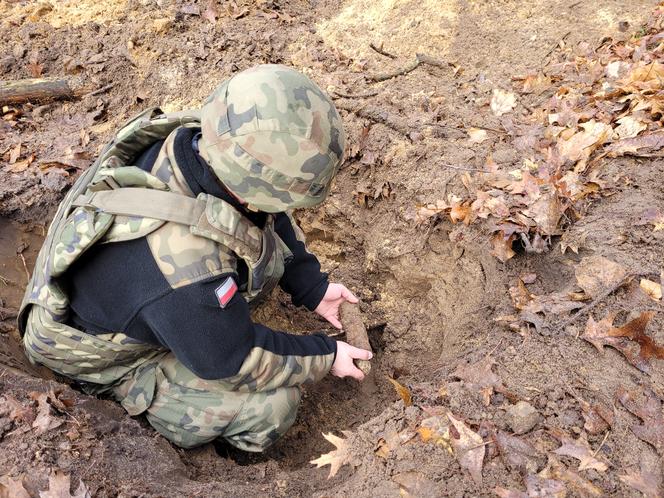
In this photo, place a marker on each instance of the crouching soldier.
(144, 285)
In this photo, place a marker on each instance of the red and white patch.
(226, 291)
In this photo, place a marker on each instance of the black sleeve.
(302, 278)
(216, 343)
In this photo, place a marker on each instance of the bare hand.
(343, 365)
(329, 305)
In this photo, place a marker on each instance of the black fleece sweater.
(118, 288)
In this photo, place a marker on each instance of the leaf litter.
(603, 102)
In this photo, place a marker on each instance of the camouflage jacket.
(173, 285)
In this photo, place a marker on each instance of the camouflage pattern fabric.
(251, 409)
(186, 409)
(273, 138)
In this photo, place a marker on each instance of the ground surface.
(431, 291)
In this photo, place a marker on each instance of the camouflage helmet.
(273, 138)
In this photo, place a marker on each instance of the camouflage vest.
(191, 237)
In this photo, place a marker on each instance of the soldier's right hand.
(343, 365)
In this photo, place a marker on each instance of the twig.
(103, 89)
(354, 95)
(5, 280)
(419, 59)
(377, 116)
(462, 168)
(591, 305)
(601, 444)
(381, 51)
(25, 266)
(555, 46)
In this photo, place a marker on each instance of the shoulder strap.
(206, 215)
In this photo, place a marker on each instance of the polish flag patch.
(226, 291)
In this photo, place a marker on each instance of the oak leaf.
(44, 421)
(649, 145)
(402, 391)
(648, 407)
(468, 447)
(337, 457)
(580, 145)
(502, 246)
(502, 102)
(653, 289)
(579, 449)
(648, 480)
(59, 485)
(12, 488)
(629, 127)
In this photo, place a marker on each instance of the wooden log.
(34, 90)
(356, 332)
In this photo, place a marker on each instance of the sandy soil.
(431, 292)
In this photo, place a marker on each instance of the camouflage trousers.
(187, 410)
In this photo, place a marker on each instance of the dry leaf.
(629, 127)
(59, 485)
(480, 376)
(15, 153)
(210, 13)
(509, 493)
(468, 447)
(477, 135)
(335, 458)
(653, 289)
(502, 246)
(579, 449)
(546, 213)
(635, 331)
(580, 145)
(598, 417)
(12, 488)
(537, 486)
(536, 84)
(596, 274)
(435, 430)
(644, 146)
(517, 453)
(502, 102)
(648, 480)
(583, 487)
(44, 421)
(402, 391)
(648, 407)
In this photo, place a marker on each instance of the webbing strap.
(145, 203)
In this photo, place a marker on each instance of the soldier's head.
(273, 138)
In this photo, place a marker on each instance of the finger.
(359, 354)
(348, 295)
(356, 373)
(334, 321)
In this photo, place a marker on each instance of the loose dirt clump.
(500, 388)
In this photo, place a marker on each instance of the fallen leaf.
(517, 453)
(546, 213)
(477, 135)
(502, 246)
(335, 458)
(12, 488)
(652, 217)
(210, 13)
(653, 289)
(435, 430)
(596, 274)
(556, 470)
(15, 153)
(580, 145)
(59, 485)
(648, 480)
(536, 83)
(480, 376)
(629, 127)
(509, 493)
(635, 331)
(44, 421)
(468, 447)
(579, 449)
(598, 417)
(648, 407)
(502, 102)
(15, 410)
(644, 146)
(402, 391)
(556, 303)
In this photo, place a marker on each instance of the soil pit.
(431, 294)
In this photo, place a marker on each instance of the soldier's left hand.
(329, 306)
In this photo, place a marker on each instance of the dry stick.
(606, 436)
(99, 90)
(377, 116)
(25, 266)
(34, 90)
(355, 95)
(381, 51)
(419, 59)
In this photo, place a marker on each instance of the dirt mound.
(434, 297)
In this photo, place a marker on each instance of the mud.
(430, 294)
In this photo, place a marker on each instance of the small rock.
(522, 417)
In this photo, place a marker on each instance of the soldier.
(144, 285)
